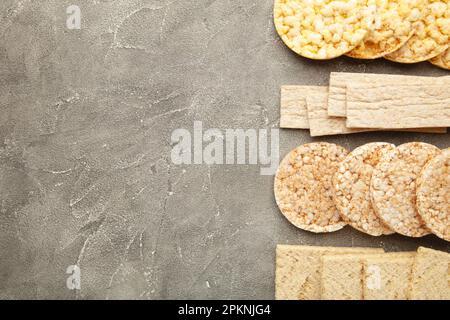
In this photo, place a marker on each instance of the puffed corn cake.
(323, 29)
(442, 60)
(433, 195)
(393, 28)
(393, 187)
(303, 190)
(351, 188)
(431, 36)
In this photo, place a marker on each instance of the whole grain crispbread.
(430, 275)
(388, 277)
(297, 274)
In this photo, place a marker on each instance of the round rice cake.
(442, 60)
(433, 195)
(393, 27)
(351, 188)
(393, 187)
(303, 187)
(431, 36)
(323, 29)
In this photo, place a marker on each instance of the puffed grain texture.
(388, 277)
(397, 106)
(431, 36)
(430, 276)
(303, 187)
(351, 188)
(297, 274)
(323, 29)
(433, 195)
(393, 187)
(442, 60)
(393, 28)
(293, 110)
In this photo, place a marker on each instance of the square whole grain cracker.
(337, 101)
(321, 124)
(342, 276)
(430, 275)
(388, 277)
(397, 107)
(297, 274)
(293, 111)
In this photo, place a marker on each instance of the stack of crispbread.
(360, 102)
(332, 273)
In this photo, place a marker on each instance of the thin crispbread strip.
(342, 276)
(321, 124)
(430, 275)
(297, 274)
(293, 111)
(397, 107)
(337, 106)
(388, 277)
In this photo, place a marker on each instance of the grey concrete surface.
(86, 176)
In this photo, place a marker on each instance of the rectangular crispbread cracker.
(337, 106)
(342, 276)
(321, 124)
(293, 111)
(431, 275)
(396, 107)
(297, 274)
(388, 277)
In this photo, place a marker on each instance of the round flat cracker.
(393, 187)
(431, 36)
(392, 29)
(303, 187)
(442, 60)
(323, 29)
(433, 195)
(351, 188)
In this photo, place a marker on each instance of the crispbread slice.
(388, 277)
(293, 111)
(342, 276)
(430, 276)
(337, 106)
(321, 124)
(397, 106)
(297, 274)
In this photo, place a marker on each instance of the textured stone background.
(85, 172)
